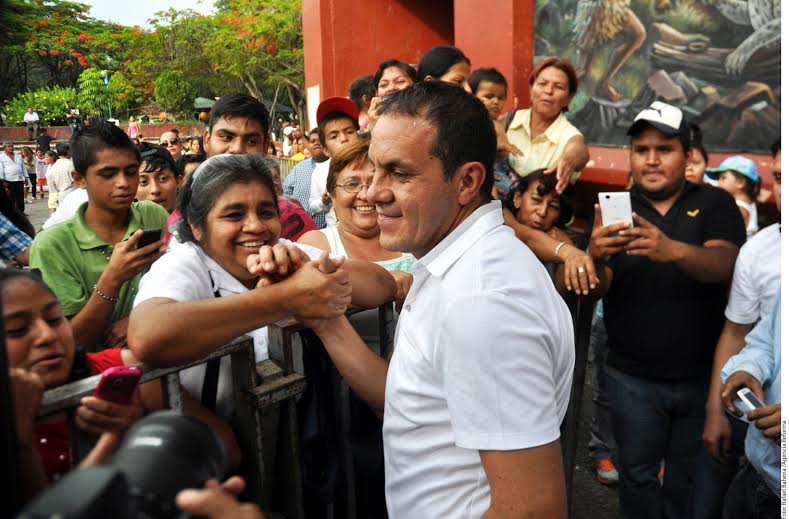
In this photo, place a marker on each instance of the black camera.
(160, 455)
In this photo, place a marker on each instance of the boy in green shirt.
(91, 261)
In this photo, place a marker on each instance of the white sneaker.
(28, 201)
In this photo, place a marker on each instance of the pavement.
(590, 499)
(37, 212)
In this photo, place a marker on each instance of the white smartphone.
(615, 208)
(749, 399)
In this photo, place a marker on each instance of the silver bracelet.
(557, 249)
(104, 296)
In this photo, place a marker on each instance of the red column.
(347, 38)
(499, 33)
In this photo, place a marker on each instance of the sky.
(137, 12)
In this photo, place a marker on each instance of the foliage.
(174, 93)
(93, 97)
(121, 93)
(246, 45)
(51, 103)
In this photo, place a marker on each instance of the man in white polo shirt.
(479, 379)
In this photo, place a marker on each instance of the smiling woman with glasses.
(357, 231)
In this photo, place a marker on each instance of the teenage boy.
(238, 124)
(92, 261)
(664, 282)
(159, 178)
(338, 124)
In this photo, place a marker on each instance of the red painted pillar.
(499, 33)
(347, 38)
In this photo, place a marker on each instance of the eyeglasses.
(353, 186)
(171, 141)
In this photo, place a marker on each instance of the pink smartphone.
(118, 384)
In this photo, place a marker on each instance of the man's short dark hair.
(775, 147)
(62, 149)
(490, 75)
(239, 105)
(360, 87)
(155, 158)
(99, 135)
(313, 131)
(464, 131)
(334, 116)
(183, 160)
(405, 67)
(42, 130)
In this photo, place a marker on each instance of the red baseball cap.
(337, 104)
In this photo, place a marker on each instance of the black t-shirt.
(43, 142)
(661, 323)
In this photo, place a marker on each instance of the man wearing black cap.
(664, 285)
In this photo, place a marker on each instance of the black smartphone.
(148, 237)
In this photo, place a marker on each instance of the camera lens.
(165, 453)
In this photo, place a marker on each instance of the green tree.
(121, 93)
(93, 97)
(259, 43)
(174, 93)
(51, 103)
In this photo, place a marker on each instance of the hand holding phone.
(148, 237)
(118, 384)
(615, 208)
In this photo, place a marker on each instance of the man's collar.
(456, 243)
(86, 237)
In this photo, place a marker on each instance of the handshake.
(316, 290)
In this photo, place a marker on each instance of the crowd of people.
(417, 189)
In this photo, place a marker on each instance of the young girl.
(738, 176)
(133, 128)
(52, 201)
(39, 340)
(30, 169)
(215, 285)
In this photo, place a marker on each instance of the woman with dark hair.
(535, 203)
(215, 286)
(40, 341)
(445, 63)
(392, 76)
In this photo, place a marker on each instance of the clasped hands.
(320, 289)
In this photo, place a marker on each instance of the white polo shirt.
(757, 277)
(483, 360)
(182, 274)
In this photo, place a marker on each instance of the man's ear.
(428, 78)
(206, 142)
(468, 180)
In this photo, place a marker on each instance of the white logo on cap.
(661, 113)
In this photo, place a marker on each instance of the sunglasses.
(171, 141)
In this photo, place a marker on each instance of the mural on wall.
(718, 60)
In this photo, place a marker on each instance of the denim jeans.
(749, 497)
(653, 421)
(713, 478)
(601, 444)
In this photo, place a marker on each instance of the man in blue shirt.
(297, 183)
(13, 173)
(14, 244)
(756, 487)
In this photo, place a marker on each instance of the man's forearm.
(363, 370)
(705, 264)
(541, 244)
(731, 342)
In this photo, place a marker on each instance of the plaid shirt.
(13, 242)
(297, 185)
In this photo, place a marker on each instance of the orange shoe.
(606, 471)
